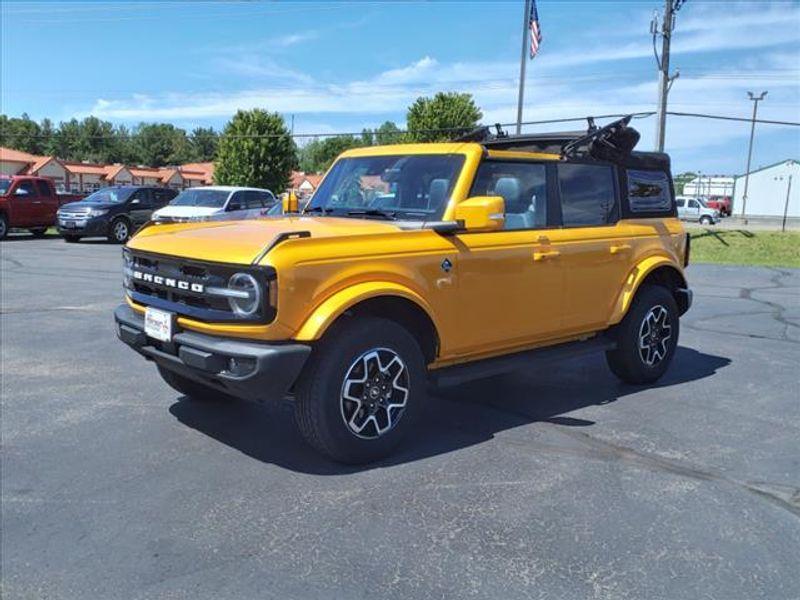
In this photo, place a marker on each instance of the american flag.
(536, 33)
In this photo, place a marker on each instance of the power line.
(637, 115)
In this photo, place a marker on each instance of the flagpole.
(522, 63)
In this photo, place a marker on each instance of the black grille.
(189, 302)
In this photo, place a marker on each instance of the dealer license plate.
(158, 324)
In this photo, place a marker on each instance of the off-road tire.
(115, 230)
(627, 361)
(38, 231)
(320, 406)
(192, 389)
(3, 226)
(72, 239)
(705, 221)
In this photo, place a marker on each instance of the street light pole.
(756, 100)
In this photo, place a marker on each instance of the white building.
(709, 185)
(766, 195)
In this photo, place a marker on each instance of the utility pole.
(756, 100)
(522, 62)
(665, 80)
(786, 204)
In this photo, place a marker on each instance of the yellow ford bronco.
(415, 265)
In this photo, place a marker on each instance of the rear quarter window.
(649, 192)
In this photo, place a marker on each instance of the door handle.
(540, 255)
(620, 248)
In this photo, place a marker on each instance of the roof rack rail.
(614, 141)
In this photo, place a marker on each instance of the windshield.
(201, 197)
(109, 196)
(404, 187)
(4, 185)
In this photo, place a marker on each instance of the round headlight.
(247, 300)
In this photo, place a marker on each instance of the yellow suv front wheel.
(361, 390)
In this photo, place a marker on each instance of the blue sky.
(342, 66)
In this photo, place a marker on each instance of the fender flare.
(334, 306)
(634, 280)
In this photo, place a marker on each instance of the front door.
(25, 204)
(140, 207)
(509, 281)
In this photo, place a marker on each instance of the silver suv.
(694, 209)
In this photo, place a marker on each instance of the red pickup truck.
(28, 202)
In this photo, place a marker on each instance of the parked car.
(216, 201)
(112, 212)
(720, 203)
(491, 253)
(694, 209)
(27, 202)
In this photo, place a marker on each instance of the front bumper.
(248, 370)
(90, 226)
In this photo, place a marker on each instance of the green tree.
(681, 180)
(443, 117)
(388, 133)
(204, 142)
(160, 144)
(256, 149)
(318, 155)
(21, 133)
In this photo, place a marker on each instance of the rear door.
(162, 197)
(49, 202)
(594, 253)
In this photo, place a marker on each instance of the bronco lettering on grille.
(169, 282)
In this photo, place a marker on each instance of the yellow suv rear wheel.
(647, 337)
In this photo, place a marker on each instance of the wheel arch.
(656, 270)
(388, 300)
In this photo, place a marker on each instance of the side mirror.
(20, 192)
(481, 213)
(136, 201)
(290, 204)
(234, 205)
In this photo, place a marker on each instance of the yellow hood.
(240, 242)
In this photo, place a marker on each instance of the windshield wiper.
(320, 209)
(373, 212)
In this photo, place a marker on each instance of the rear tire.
(647, 337)
(38, 231)
(71, 239)
(362, 390)
(192, 389)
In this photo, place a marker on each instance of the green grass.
(740, 247)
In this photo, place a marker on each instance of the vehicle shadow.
(455, 418)
(21, 236)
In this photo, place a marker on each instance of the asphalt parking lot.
(558, 482)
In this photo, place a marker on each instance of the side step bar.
(458, 374)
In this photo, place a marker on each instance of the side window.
(679, 202)
(648, 191)
(26, 189)
(694, 204)
(588, 195)
(267, 199)
(44, 188)
(144, 198)
(236, 201)
(523, 186)
(252, 200)
(162, 196)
